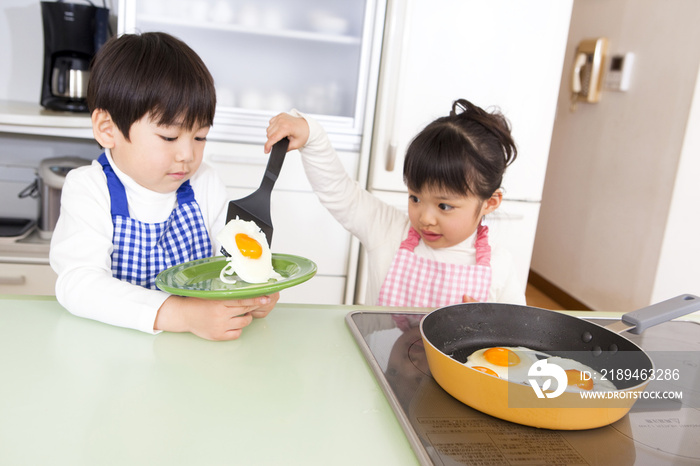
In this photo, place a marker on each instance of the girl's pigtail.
(494, 122)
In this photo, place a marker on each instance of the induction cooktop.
(445, 432)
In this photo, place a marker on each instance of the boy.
(147, 203)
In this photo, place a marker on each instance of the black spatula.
(256, 206)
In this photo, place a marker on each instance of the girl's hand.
(468, 299)
(284, 124)
(212, 319)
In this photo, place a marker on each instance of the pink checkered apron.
(417, 281)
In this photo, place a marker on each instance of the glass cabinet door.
(268, 56)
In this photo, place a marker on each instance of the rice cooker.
(51, 176)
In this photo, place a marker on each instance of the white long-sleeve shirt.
(381, 228)
(81, 245)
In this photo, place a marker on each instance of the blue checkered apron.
(143, 250)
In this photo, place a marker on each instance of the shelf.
(29, 250)
(282, 33)
(28, 118)
(248, 126)
(230, 124)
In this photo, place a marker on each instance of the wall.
(22, 52)
(613, 224)
(680, 251)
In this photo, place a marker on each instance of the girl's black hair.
(151, 73)
(462, 153)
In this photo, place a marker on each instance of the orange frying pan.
(450, 334)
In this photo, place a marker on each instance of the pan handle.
(661, 312)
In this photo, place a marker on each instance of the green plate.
(200, 278)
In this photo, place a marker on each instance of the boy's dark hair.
(465, 152)
(136, 74)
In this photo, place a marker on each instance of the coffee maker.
(72, 35)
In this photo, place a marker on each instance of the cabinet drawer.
(27, 279)
(243, 166)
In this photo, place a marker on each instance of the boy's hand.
(212, 319)
(284, 124)
(264, 310)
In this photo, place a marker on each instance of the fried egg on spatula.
(249, 254)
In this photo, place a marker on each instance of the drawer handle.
(391, 157)
(18, 280)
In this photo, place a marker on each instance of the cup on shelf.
(273, 18)
(323, 99)
(222, 12)
(199, 10)
(328, 23)
(278, 102)
(252, 99)
(249, 16)
(225, 97)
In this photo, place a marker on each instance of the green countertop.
(294, 389)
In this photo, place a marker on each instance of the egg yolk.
(248, 246)
(485, 370)
(575, 378)
(501, 357)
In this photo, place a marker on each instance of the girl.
(439, 254)
(148, 202)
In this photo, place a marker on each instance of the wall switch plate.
(619, 72)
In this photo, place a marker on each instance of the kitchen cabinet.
(29, 279)
(24, 267)
(269, 56)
